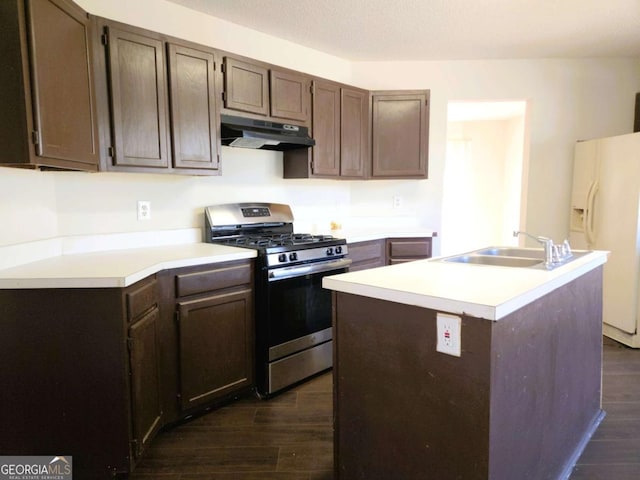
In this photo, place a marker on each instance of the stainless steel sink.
(495, 260)
(509, 257)
(513, 252)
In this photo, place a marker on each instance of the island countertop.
(482, 291)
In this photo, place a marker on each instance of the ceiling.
(379, 30)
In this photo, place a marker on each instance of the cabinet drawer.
(366, 264)
(409, 247)
(141, 298)
(370, 250)
(214, 279)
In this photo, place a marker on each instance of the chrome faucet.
(546, 242)
(553, 254)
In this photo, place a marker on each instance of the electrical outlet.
(144, 210)
(397, 201)
(448, 330)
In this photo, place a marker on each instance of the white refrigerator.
(605, 205)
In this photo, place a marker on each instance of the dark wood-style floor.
(290, 436)
(614, 450)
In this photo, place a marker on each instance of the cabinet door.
(290, 97)
(145, 380)
(326, 129)
(400, 134)
(354, 137)
(193, 108)
(138, 99)
(216, 345)
(62, 84)
(246, 87)
(369, 254)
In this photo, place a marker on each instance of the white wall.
(515, 166)
(569, 100)
(28, 206)
(106, 202)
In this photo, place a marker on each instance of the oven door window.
(298, 306)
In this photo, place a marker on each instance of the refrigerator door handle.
(588, 225)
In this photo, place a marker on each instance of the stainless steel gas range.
(293, 311)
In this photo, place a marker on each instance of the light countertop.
(115, 268)
(353, 235)
(481, 291)
(120, 260)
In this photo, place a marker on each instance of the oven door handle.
(308, 269)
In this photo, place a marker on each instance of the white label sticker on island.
(448, 331)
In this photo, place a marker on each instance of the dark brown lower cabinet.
(377, 253)
(144, 364)
(210, 353)
(215, 346)
(70, 382)
(368, 254)
(95, 372)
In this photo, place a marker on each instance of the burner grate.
(275, 240)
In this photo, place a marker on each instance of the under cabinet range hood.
(263, 134)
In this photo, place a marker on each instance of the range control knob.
(282, 257)
(330, 251)
(293, 256)
(338, 250)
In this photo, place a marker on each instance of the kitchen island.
(520, 401)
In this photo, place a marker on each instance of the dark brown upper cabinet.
(326, 129)
(254, 88)
(246, 87)
(290, 96)
(354, 133)
(48, 116)
(138, 97)
(158, 102)
(400, 134)
(340, 127)
(194, 120)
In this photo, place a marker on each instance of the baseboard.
(571, 463)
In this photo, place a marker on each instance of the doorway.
(484, 188)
